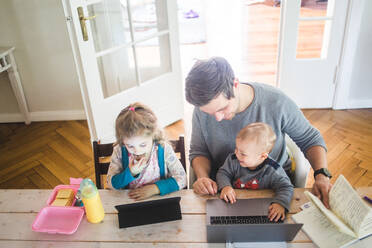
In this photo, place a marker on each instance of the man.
(223, 106)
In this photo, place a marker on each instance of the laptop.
(245, 221)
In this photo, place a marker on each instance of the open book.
(348, 219)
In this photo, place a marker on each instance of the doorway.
(245, 32)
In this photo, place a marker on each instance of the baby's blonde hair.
(137, 119)
(259, 132)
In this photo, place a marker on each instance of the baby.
(251, 168)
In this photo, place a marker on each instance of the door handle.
(82, 20)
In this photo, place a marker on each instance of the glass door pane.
(153, 57)
(310, 39)
(314, 8)
(117, 71)
(131, 43)
(148, 18)
(111, 26)
(314, 26)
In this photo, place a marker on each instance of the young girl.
(142, 161)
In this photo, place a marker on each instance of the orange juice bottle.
(92, 202)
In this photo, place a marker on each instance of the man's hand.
(318, 159)
(205, 186)
(144, 192)
(276, 212)
(321, 189)
(228, 194)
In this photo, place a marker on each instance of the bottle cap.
(87, 188)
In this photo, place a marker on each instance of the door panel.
(131, 55)
(307, 65)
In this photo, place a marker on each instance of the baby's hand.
(276, 212)
(144, 192)
(136, 167)
(228, 194)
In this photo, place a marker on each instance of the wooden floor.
(45, 154)
(348, 135)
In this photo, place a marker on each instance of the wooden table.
(18, 209)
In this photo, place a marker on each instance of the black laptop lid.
(149, 212)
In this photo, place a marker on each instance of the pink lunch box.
(63, 220)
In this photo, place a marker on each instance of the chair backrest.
(179, 147)
(300, 164)
(102, 155)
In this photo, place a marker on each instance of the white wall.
(362, 73)
(354, 84)
(44, 57)
(8, 101)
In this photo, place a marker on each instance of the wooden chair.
(102, 155)
(179, 148)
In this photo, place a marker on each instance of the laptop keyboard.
(221, 220)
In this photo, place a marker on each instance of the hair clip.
(131, 109)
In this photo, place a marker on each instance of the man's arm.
(200, 159)
(201, 166)
(203, 184)
(311, 143)
(318, 159)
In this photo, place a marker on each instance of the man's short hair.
(208, 79)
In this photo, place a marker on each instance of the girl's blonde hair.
(137, 119)
(259, 132)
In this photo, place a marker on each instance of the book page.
(320, 230)
(364, 243)
(339, 224)
(346, 204)
(366, 226)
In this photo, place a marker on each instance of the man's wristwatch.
(323, 171)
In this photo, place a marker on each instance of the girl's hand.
(144, 192)
(228, 194)
(276, 212)
(136, 167)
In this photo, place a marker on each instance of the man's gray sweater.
(216, 140)
(268, 175)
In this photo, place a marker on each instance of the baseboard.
(354, 104)
(64, 115)
(11, 117)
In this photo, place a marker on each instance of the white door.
(126, 51)
(308, 67)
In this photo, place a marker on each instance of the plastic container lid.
(64, 220)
